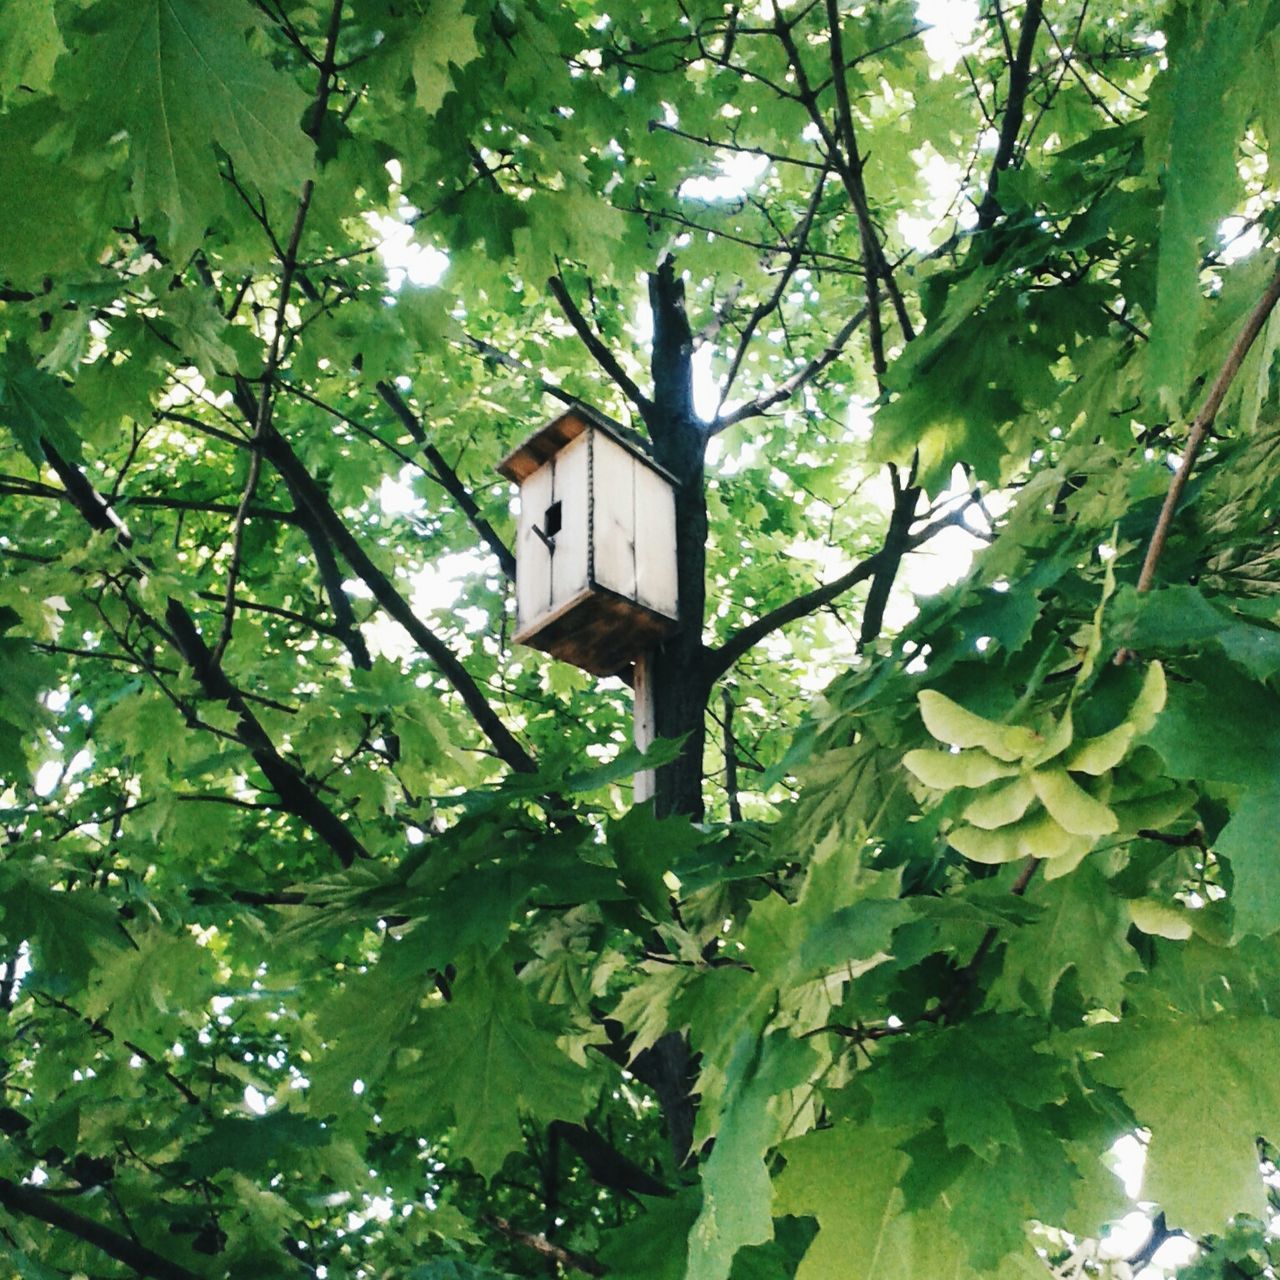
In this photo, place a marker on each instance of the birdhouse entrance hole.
(553, 525)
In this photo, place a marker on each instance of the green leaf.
(492, 1045)
(179, 77)
(30, 44)
(1219, 727)
(252, 1145)
(864, 1230)
(446, 38)
(737, 1191)
(654, 1245)
(1082, 928)
(71, 932)
(646, 849)
(36, 407)
(163, 974)
(977, 1080)
(1249, 843)
(1207, 1090)
(1215, 81)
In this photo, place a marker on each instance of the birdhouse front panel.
(551, 541)
(596, 581)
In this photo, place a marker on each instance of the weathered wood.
(547, 441)
(569, 549)
(597, 630)
(613, 542)
(644, 725)
(655, 536)
(596, 579)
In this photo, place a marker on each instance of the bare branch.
(1200, 427)
(799, 243)
(300, 481)
(719, 144)
(1014, 109)
(897, 542)
(508, 361)
(730, 758)
(552, 1252)
(740, 642)
(449, 478)
(785, 390)
(41, 1206)
(289, 267)
(346, 626)
(34, 489)
(599, 352)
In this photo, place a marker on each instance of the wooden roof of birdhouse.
(547, 441)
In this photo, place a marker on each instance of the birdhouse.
(596, 544)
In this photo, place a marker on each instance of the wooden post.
(643, 727)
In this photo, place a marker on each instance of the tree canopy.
(332, 943)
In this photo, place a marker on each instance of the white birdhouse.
(596, 546)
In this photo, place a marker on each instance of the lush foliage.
(331, 942)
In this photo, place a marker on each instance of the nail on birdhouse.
(596, 543)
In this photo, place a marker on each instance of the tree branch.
(730, 758)
(553, 1252)
(897, 542)
(785, 390)
(1014, 110)
(844, 157)
(346, 627)
(1200, 427)
(762, 312)
(33, 489)
(449, 478)
(508, 361)
(600, 353)
(296, 793)
(143, 1261)
(288, 268)
(721, 659)
(278, 450)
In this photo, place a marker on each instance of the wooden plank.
(542, 446)
(613, 471)
(533, 557)
(570, 489)
(656, 576)
(644, 726)
(597, 631)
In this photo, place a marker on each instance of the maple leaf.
(1207, 1089)
(179, 77)
(490, 1053)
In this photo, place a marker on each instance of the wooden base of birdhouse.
(599, 631)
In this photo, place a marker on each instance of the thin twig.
(289, 267)
(554, 1252)
(1200, 427)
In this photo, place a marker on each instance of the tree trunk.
(680, 681)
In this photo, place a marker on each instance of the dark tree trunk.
(680, 671)
(681, 685)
